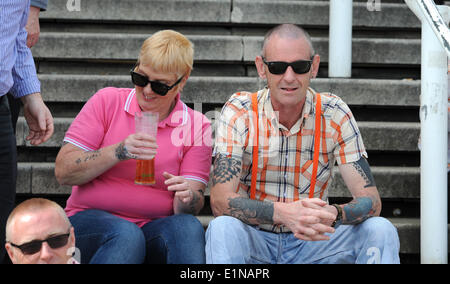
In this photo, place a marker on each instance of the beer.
(145, 172)
(146, 122)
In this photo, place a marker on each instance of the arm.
(32, 27)
(74, 166)
(303, 217)
(366, 200)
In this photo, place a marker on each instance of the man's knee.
(225, 225)
(379, 226)
(381, 230)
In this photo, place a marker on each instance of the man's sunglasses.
(279, 67)
(157, 87)
(35, 246)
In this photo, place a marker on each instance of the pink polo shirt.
(184, 149)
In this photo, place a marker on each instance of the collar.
(308, 110)
(178, 116)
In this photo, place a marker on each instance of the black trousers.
(8, 169)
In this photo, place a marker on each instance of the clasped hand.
(310, 219)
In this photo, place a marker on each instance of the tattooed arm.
(225, 200)
(74, 166)
(366, 200)
(303, 218)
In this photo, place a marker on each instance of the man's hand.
(38, 117)
(32, 27)
(308, 219)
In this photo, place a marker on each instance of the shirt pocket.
(322, 177)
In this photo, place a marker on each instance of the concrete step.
(238, 12)
(217, 90)
(392, 182)
(378, 136)
(211, 48)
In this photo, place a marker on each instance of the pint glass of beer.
(146, 122)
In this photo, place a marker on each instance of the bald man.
(39, 232)
(270, 182)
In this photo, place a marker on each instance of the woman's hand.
(138, 146)
(181, 187)
(188, 194)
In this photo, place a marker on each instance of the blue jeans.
(104, 238)
(230, 241)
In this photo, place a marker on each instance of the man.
(17, 76)
(280, 219)
(33, 31)
(39, 232)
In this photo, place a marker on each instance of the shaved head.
(290, 31)
(33, 205)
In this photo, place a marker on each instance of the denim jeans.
(230, 241)
(104, 238)
(8, 169)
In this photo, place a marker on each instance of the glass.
(146, 122)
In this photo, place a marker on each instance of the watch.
(338, 219)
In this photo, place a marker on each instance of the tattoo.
(358, 210)
(122, 153)
(193, 203)
(251, 211)
(225, 169)
(91, 155)
(363, 168)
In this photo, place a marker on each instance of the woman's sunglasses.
(157, 87)
(279, 67)
(35, 246)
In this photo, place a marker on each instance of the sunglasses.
(157, 87)
(279, 67)
(35, 246)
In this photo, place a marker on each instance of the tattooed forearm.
(195, 199)
(91, 155)
(363, 168)
(251, 211)
(358, 210)
(122, 153)
(225, 169)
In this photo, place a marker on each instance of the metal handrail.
(433, 117)
(426, 9)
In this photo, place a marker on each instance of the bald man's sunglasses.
(33, 247)
(280, 67)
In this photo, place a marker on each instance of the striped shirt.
(17, 69)
(286, 155)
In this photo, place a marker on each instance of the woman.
(116, 220)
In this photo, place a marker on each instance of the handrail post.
(340, 39)
(433, 155)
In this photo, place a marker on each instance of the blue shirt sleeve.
(17, 69)
(40, 4)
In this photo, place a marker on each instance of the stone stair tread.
(228, 12)
(217, 89)
(392, 182)
(232, 48)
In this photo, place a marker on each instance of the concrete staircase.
(82, 51)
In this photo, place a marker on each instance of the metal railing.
(433, 111)
(433, 118)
